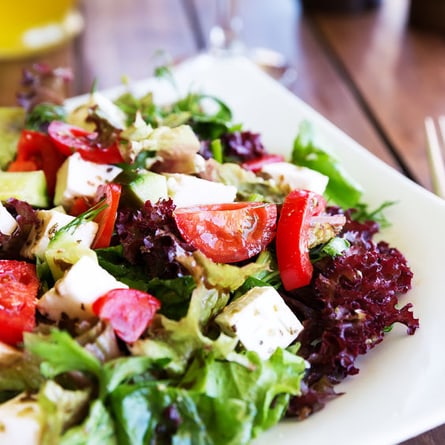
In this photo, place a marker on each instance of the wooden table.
(371, 74)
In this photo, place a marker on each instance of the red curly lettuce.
(347, 309)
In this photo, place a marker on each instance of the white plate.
(400, 390)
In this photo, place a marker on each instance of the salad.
(167, 279)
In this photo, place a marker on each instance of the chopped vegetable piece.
(129, 311)
(292, 237)
(228, 233)
(342, 188)
(261, 320)
(36, 151)
(69, 139)
(111, 194)
(18, 298)
(78, 288)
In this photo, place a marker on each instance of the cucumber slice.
(11, 124)
(25, 186)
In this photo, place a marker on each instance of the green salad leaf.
(342, 189)
(217, 402)
(267, 383)
(161, 414)
(61, 408)
(97, 429)
(178, 340)
(60, 353)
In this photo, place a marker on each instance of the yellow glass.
(27, 26)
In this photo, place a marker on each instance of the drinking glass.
(225, 40)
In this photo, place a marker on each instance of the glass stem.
(224, 35)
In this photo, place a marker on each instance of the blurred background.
(105, 39)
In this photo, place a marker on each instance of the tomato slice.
(129, 311)
(69, 139)
(228, 233)
(80, 205)
(19, 285)
(110, 193)
(36, 151)
(292, 237)
(255, 165)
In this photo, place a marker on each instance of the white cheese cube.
(49, 222)
(108, 110)
(79, 288)
(186, 190)
(77, 177)
(261, 320)
(7, 222)
(296, 177)
(20, 421)
(105, 108)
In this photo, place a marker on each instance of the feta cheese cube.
(77, 290)
(108, 110)
(77, 177)
(186, 190)
(105, 108)
(261, 320)
(49, 222)
(7, 222)
(295, 177)
(20, 421)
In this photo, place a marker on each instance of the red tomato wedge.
(129, 311)
(19, 285)
(80, 204)
(228, 233)
(292, 237)
(36, 151)
(110, 193)
(69, 139)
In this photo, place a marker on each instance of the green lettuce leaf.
(178, 340)
(157, 413)
(18, 372)
(342, 189)
(125, 369)
(97, 429)
(217, 402)
(225, 277)
(60, 409)
(60, 353)
(268, 384)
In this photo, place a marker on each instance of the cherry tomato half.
(129, 311)
(69, 139)
(18, 298)
(228, 233)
